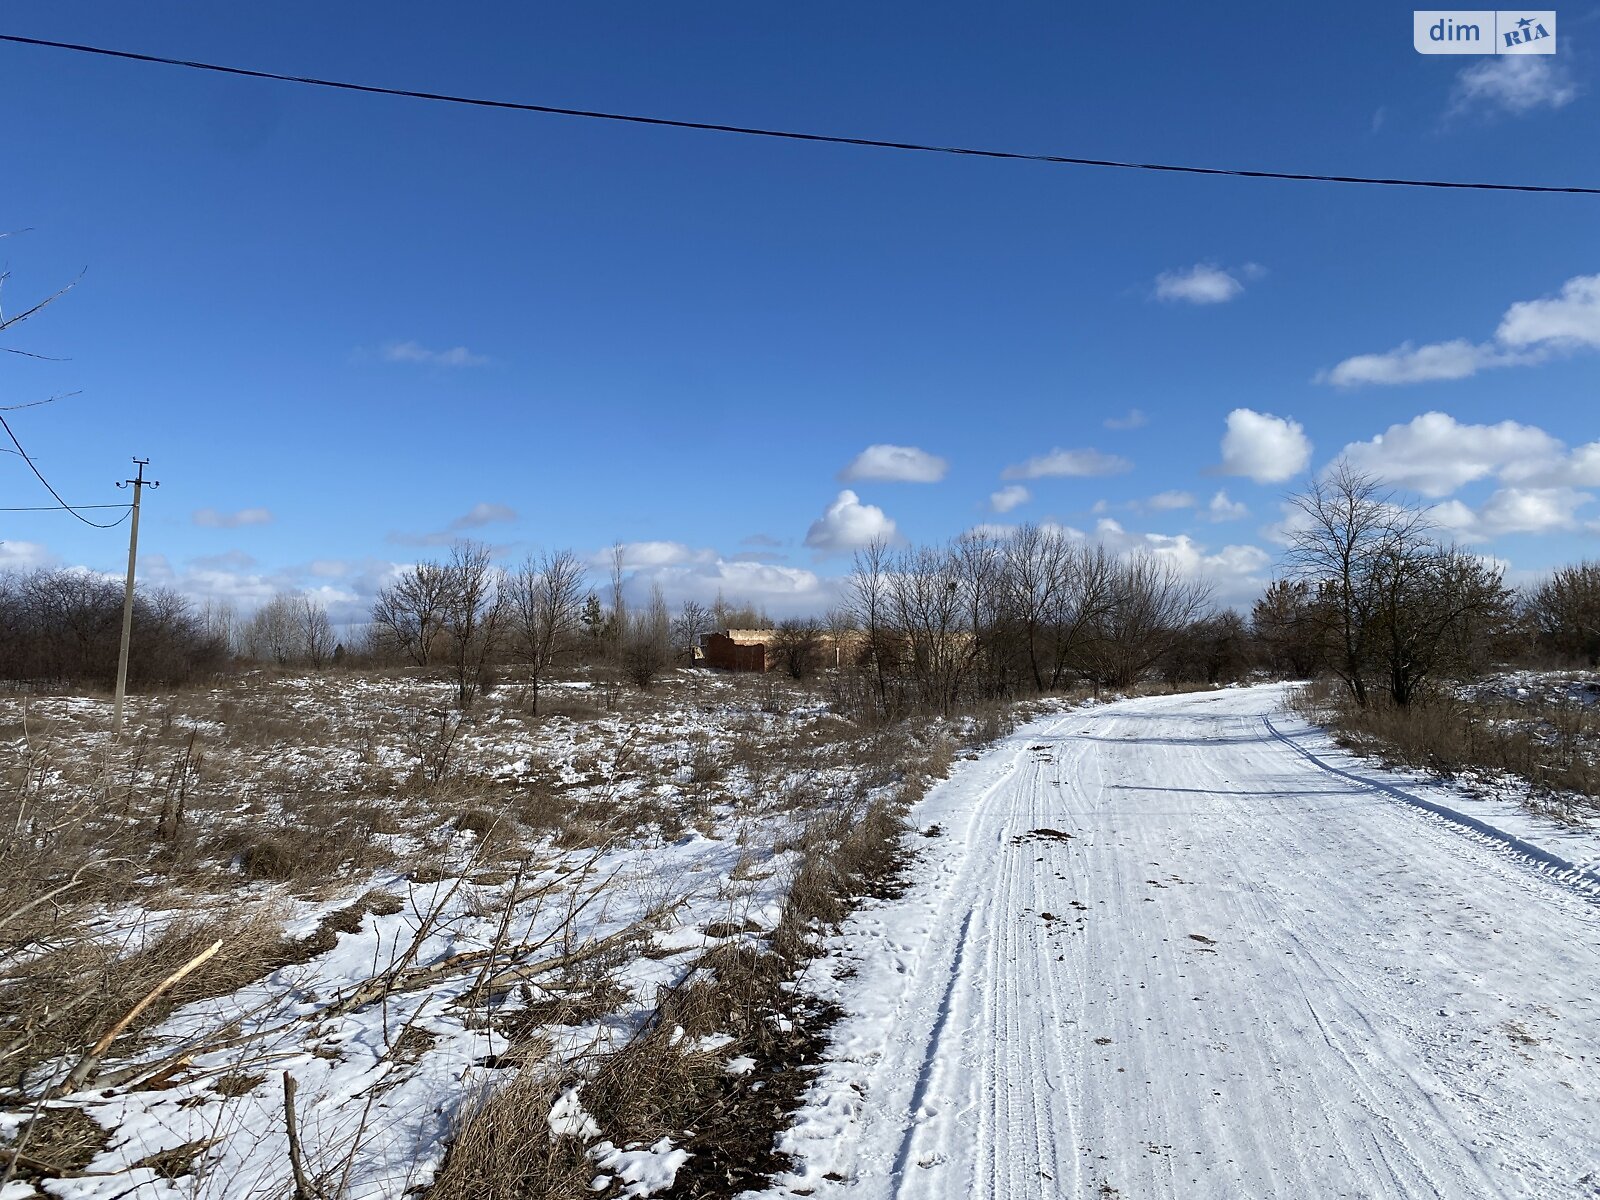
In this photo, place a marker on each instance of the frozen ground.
(418, 938)
(1185, 947)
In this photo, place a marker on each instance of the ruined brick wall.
(722, 652)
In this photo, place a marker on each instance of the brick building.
(755, 649)
(738, 649)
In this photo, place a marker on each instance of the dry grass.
(658, 1085)
(662, 1083)
(221, 808)
(57, 1003)
(1553, 746)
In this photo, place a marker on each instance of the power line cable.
(791, 135)
(97, 524)
(61, 507)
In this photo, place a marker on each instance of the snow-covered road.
(1177, 947)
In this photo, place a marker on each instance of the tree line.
(469, 618)
(1369, 595)
(61, 627)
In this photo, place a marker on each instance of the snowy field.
(410, 911)
(1168, 947)
(1185, 947)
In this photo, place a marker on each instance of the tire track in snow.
(1582, 880)
(1339, 1030)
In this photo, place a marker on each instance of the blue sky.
(347, 327)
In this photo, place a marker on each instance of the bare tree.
(1286, 626)
(978, 566)
(843, 639)
(928, 609)
(1439, 610)
(221, 622)
(410, 611)
(619, 602)
(1347, 526)
(1396, 607)
(473, 611)
(693, 620)
(1092, 586)
(63, 626)
(868, 600)
(547, 596)
(1151, 605)
(1215, 649)
(1036, 569)
(273, 634)
(11, 322)
(315, 632)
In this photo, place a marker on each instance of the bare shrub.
(1565, 611)
(798, 647)
(845, 855)
(646, 648)
(431, 741)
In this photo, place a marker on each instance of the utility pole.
(138, 483)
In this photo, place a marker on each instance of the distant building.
(756, 649)
(739, 649)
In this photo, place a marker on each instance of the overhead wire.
(789, 134)
(73, 509)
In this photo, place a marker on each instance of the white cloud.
(998, 530)
(1202, 283)
(1515, 83)
(1435, 454)
(1581, 467)
(644, 555)
(482, 514)
(696, 573)
(1223, 509)
(212, 519)
(24, 556)
(780, 590)
(1513, 510)
(412, 352)
(232, 579)
(1068, 462)
(229, 560)
(1166, 501)
(1263, 447)
(849, 524)
(1417, 364)
(1529, 332)
(1219, 508)
(900, 464)
(1571, 318)
(1237, 572)
(1133, 419)
(1009, 497)
(1532, 510)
